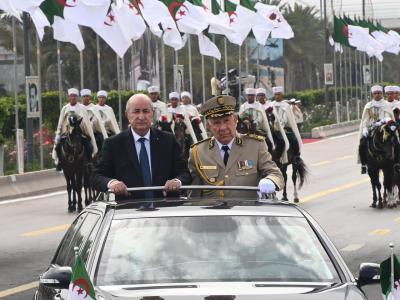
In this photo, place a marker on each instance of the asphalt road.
(336, 194)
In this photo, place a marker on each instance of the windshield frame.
(325, 244)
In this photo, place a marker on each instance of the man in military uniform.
(375, 111)
(107, 114)
(260, 119)
(73, 107)
(193, 113)
(287, 120)
(230, 158)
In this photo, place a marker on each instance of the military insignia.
(208, 167)
(212, 179)
(220, 100)
(239, 141)
(245, 164)
(211, 143)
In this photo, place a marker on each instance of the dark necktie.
(226, 154)
(145, 168)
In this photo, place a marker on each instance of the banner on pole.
(32, 96)
(178, 78)
(328, 74)
(367, 74)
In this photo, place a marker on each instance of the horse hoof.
(373, 205)
(80, 208)
(87, 203)
(380, 205)
(296, 200)
(71, 209)
(284, 199)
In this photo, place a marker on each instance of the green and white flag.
(217, 23)
(80, 287)
(223, 18)
(390, 286)
(242, 20)
(37, 16)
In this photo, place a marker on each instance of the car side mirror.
(56, 277)
(369, 273)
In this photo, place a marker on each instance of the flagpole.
(119, 92)
(341, 86)
(148, 53)
(246, 56)
(346, 95)
(157, 68)
(355, 74)
(335, 83)
(382, 72)
(81, 67)
(190, 64)
(59, 75)
(203, 78)
(123, 74)
(240, 67)
(226, 66)
(98, 62)
(164, 80)
(350, 75)
(258, 66)
(133, 66)
(39, 93)
(14, 37)
(214, 60)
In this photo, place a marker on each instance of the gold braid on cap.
(219, 111)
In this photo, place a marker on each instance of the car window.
(87, 246)
(213, 248)
(80, 237)
(63, 249)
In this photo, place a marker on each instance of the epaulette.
(199, 142)
(259, 138)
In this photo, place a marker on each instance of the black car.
(216, 250)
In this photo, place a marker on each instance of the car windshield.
(212, 249)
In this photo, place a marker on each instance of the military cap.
(102, 94)
(153, 89)
(73, 91)
(86, 92)
(218, 106)
(250, 91)
(186, 94)
(173, 95)
(261, 91)
(390, 88)
(277, 89)
(376, 88)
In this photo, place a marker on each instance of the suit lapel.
(155, 150)
(131, 150)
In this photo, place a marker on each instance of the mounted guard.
(107, 114)
(74, 108)
(375, 111)
(194, 116)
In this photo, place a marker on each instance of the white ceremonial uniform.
(374, 111)
(186, 120)
(192, 112)
(86, 126)
(263, 123)
(96, 119)
(287, 119)
(108, 116)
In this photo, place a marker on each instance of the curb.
(335, 129)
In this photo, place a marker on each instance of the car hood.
(230, 291)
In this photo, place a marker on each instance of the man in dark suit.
(140, 156)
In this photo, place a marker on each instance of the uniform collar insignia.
(211, 143)
(239, 141)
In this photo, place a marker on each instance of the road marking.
(18, 289)
(334, 190)
(352, 247)
(3, 202)
(379, 232)
(46, 230)
(345, 157)
(321, 163)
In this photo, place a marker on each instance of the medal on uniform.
(208, 167)
(245, 164)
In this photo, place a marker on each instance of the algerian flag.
(63, 30)
(242, 20)
(111, 33)
(8, 7)
(340, 32)
(80, 287)
(214, 21)
(129, 20)
(359, 38)
(387, 285)
(89, 13)
(207, 47)
(188, 19)
(338, 47)
(223, 18)
(37, 16)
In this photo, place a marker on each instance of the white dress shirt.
(138, 145)
(222, 152)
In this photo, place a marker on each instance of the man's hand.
(365, 132)
(119, 188)
(57, 138)
(266, 186)
(172, 185)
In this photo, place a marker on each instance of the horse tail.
(301, 170)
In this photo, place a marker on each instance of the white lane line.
(352, 247)
(3, 202)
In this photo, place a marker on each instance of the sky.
(377, 9)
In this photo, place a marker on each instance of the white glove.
(378, 123)
(57, 138)
(365, 132)
(387, 119)
(266, 186)
(393, 128)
